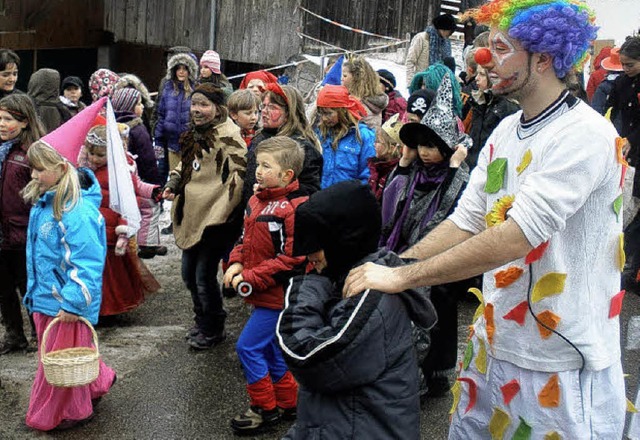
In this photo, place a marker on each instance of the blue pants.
(258, 348)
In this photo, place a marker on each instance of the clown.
(539, 218)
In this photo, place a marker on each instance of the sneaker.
(254, 419)
(13, 344)
(146, 252)
(168, 230)
(288, 414)
(193, 331)
(202, 342)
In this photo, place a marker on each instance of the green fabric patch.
(617, 206)
(468, 355)
(523, 432)
(495, 175)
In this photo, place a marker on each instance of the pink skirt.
(48, 405)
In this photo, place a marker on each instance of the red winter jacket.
(14, 212)
(266, 245)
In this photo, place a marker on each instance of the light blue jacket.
(349, 161)
(65, 259)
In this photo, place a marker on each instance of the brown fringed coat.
(207, 192)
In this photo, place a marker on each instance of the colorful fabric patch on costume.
(536, 253)
(621, 255)
(631, 408)
(455, 390)
(480, 309)
(518, 313)
(549, 396)
(548, 322)
(616, 304)
(549, 284)
(524, 163)
(623, 173)
(490, 325)
(523, 432)
(620, 142)
(498, 424)
(509, 390)
(473, 392)
(617, 206)
(481, 358)
(468, 355)
(498, 213)
(507, 276)
(496, 171)
(552, 436)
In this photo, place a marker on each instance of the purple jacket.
(140, 145)
(173, 116)
(14, 212)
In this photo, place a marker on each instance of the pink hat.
(211, 59)
(69, 137)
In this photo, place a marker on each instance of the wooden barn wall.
(51, 24)
(251, 31)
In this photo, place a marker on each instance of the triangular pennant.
(509, 390)
(549, 396)
(549, 284)
(490, 325)
(508, 276)
(616, 304)
(518, 313)
(621, 255)
(455, 390)
(496, 171)
(481, 358)
(548, 321)
(617, 206)
(468, 355)
(524, 163)
(498, 424)
(523, 432)
(537, 253)
(473, 392)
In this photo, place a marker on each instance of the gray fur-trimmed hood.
(186, 59)
(131, 80)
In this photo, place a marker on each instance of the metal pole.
(212, 26)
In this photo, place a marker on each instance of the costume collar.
(565, 102)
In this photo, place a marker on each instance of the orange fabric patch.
(549, 396)
(619, 143)
(550, 320)
(508, 276)
(489, 322)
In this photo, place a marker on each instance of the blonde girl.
(363, 83)
(65, 257)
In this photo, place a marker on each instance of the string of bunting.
(349, 28)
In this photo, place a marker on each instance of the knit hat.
(125, 100)
(445, 22)
(392, 127)
(69, 137)
(263, 75)
(334, 75)
(211, 59)
(71, 81)
(420, 101)
(339, 97)
(438, 127)
(211, 92)
(186, 59)
(387, 79)
(102, 83)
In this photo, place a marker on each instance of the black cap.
(445, 22)
(71, 81)
(387, 79)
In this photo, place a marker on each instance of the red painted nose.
(483, 56)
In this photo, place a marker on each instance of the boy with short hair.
(71, 94)
(244, 109)
(259, 267)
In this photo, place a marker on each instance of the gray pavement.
(167, 391)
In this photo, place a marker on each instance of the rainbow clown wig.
(563, 29)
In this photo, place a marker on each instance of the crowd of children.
(289, 206)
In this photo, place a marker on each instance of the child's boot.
(286, 390)
(262, 412)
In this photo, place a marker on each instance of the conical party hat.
(69, 137)
(440, 117)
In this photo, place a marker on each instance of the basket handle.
(56, 320)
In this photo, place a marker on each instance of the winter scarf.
(439, 47)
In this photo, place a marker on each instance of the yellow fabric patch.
(524, 163)
(456, 391)
(498, 213)
(552, 436)
(621, 256)
(480, 309)
(549, 396)
(498, 424)
(481, 358)
(631, 407)
(549, 284)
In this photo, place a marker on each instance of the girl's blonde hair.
(345, 121)
(43, 157)
(365, 80)
(296, 123)
(20, 107)
(391, 149)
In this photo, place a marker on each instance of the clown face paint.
(509, 71)
(273, 115)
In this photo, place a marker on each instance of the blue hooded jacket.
(65, 259)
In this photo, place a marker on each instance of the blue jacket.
(65, 259)
(349, 161)
(173, 116)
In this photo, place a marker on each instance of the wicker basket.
(70, 367)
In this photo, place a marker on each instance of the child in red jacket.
(260, 266)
